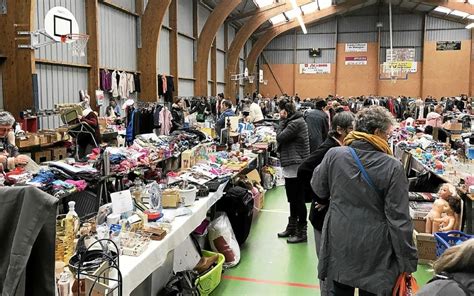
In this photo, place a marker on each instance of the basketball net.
(78, 42)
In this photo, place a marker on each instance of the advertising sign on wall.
(359, 61)
(356, 47)
(448, 45)
(321, 68)
(400, 54)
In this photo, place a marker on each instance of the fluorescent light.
(471, 17)
(470, 26)
(323, 4)
(278, 19)
(303, 27)
(310, 8)
(459, 13)
(291, 14)
(442, 9)
(263, 3)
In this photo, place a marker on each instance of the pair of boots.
(295, 231)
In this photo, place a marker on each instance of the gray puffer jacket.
(293, 140)
(456, 284)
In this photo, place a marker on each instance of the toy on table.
(443, 210)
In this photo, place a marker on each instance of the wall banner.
(448, 45)
(356, 47)
(400, 54)
(357, 61)
(321, 68)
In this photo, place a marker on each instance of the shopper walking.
(367, 234)
(318, 125)
(341, 126)
(293, 146)
(454, 272)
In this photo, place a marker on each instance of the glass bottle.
(64, 283)
(71, 228)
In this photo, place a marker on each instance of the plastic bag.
(406, 285)
(222, 240)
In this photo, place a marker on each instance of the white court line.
(275, 211)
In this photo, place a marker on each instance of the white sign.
(356, 61)
(356, 47)
(321, 68)
(260, 76)
(400, 55)
(121, 202)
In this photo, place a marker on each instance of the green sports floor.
(270, 266)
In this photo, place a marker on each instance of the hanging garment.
(136, 78)
(130, 83)
(130, 135)
(105, 80)
(122, 86)
(115, 83)
(169, 89)
(165, 121)
(156, 116)
(165, 85)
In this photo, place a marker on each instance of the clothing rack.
(120, 70)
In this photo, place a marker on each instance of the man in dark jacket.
(293, 145)
(318, 125)
(226, 108)
(367, 238)
(342, 124)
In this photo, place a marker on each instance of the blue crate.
(448, 239)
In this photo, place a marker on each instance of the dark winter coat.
(293, 140)
(458, 284)
(178, 118)
(318, 126)
(305, 173)
(367, 239)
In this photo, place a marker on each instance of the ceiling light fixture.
(309, 8)
(277, 19)
(459, 13)
(291, 14)
(470, 26)
(262, 3)
(297, 11)
(442, 9)
(471, 17)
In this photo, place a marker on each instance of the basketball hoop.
(78, 41)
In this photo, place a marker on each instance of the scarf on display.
(376, 141)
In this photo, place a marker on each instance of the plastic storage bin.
(448, 239)
(208, 282)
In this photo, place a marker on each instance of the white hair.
(6, 118)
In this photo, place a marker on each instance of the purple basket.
(448, 239)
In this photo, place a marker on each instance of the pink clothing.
(434, 119)
(165, 121)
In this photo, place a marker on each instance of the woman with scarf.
(367, 234)
(293, 146)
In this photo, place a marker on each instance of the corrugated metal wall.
(163, 60)
(282, 49)
(58, 84)
(407, 33)
(186, 88)
(443, 30)
(117, 50)
(203, 14)
(127, 4)
(357, 29)
(59, 52)
(185, 17)
(231, 34)
(220, 38)
(209, 67)
(185, 54)
(220, 58)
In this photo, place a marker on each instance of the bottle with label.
(64, 283)
(71, 228)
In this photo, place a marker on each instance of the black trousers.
(295, 196)
(339, 289)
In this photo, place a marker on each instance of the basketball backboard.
(59, 22)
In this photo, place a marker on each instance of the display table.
(135, 270)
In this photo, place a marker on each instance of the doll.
(445, 192)
(450, 219)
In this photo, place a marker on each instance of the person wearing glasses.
(367, 237)
(9, 155)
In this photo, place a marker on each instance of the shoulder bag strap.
(364, 172)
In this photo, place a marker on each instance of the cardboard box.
(254, 176)
(170, 198)
(419, 224)
(31, 140)
(426, 245)
(187, 159)
(42, 156)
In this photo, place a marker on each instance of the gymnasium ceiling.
(248, 8)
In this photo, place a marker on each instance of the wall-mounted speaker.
(315, 52)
